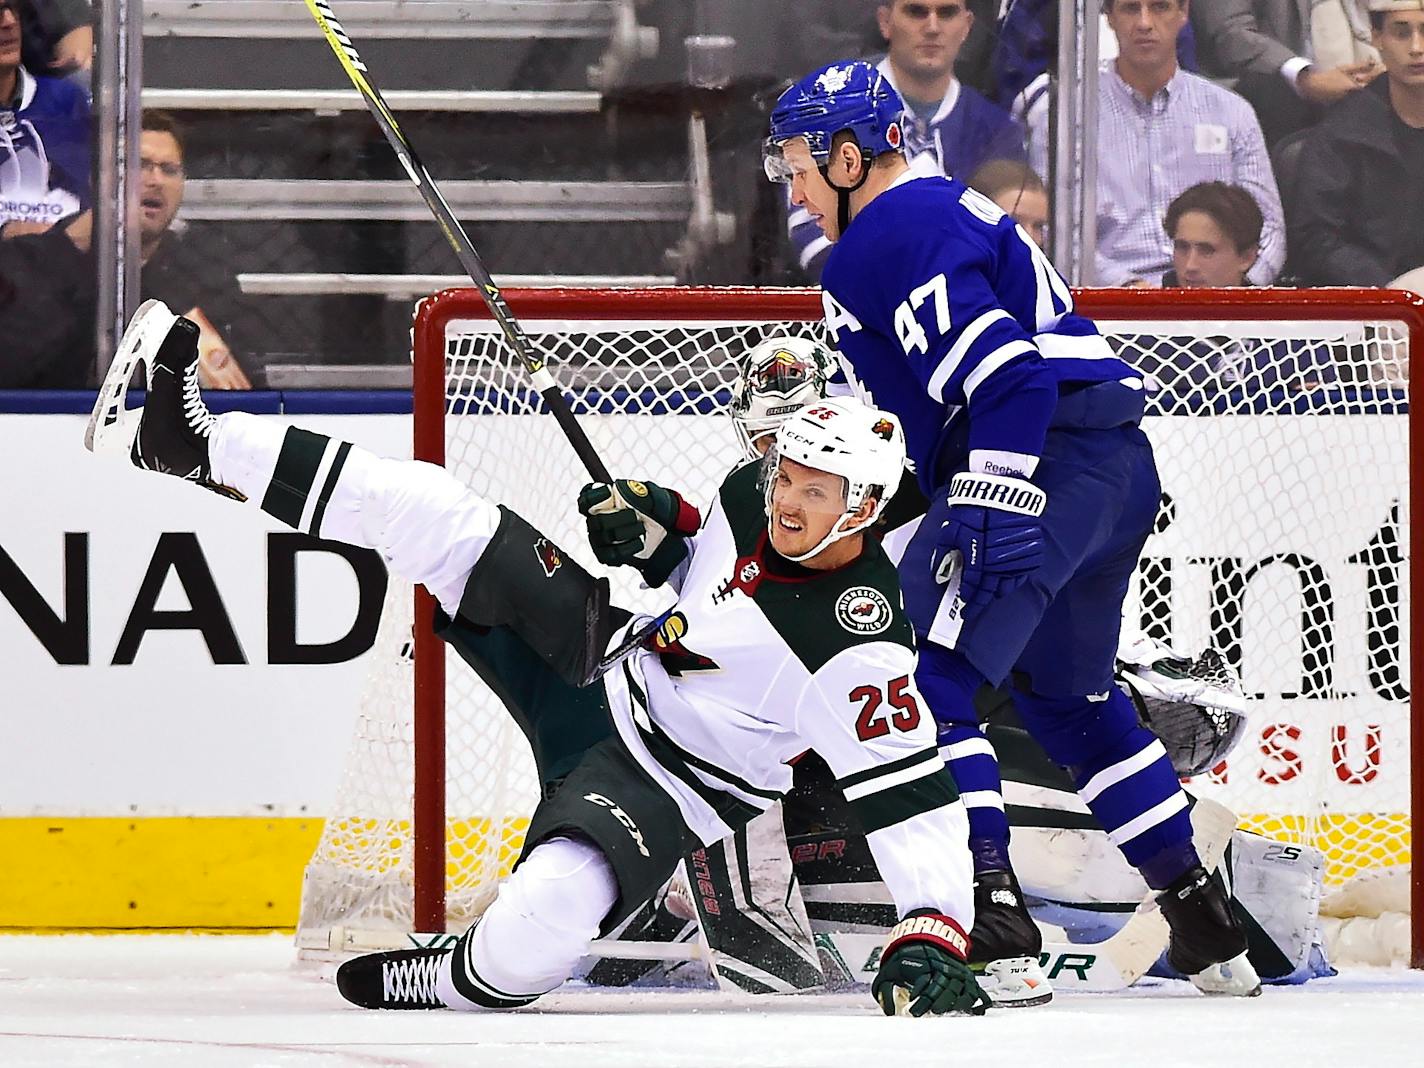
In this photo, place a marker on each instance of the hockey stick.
(514, 335)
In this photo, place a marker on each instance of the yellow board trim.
(245, 873)
(119, 873)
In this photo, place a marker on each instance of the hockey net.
(1282, 439)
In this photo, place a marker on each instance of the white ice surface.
(229, 1001)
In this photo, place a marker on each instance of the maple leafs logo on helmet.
(853, 97)
(833, 79)
(883, 429)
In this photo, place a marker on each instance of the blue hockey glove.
(639, 524)
(991, 537)
(923, 969)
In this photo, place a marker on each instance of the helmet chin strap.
(835, 534)
(843, 192)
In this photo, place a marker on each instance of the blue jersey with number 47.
(941, 307)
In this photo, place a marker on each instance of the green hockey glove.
(923, 969)
(639, 524)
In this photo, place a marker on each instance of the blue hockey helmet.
(849, 95)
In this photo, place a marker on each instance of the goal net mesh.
(1282, 542)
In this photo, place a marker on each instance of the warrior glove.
(923, 969)
(991, 538)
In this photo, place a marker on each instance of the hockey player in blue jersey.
(1022, 426)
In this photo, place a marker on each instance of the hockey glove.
(639, 524)
(923, 969)
(991, 538)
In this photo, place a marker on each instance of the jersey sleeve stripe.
(955, 356)
(893, 779)
(899, 803)
(855, 778)
(992, 362)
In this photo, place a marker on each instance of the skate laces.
(411, 980)
(199, 419)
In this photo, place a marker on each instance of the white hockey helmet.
(842, 436)
(777, 378)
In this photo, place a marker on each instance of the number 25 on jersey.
(875, 719)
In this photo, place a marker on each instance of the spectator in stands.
(176, 272)
(59, 38)
(1266, 47)
(950, 128)
(1358, 218)
(1215, 230)
(1018, 189)
(1161, 130)
(1025, 60)
(45, 129)
(47, 307)
(47, 281)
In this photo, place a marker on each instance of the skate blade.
(1234, 978)
(1014, 983)
(112, 427)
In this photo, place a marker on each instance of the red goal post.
(1298, 356)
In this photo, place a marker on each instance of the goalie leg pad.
(525, 582)
(749, 904)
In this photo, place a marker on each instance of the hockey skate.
(401, 979)
(169, 434)
(1005, 944)
(1206, 943)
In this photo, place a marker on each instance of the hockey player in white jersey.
(1022, 425)
(787, 636)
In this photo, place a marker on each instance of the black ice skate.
(1005, 944)
(169, 434)
(1206, 944)
(401, 979)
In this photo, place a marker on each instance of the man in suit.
(1266, 46)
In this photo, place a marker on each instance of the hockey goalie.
(793, 901)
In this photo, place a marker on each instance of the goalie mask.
(778, 378)
(1196, 707)
(842, 436)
